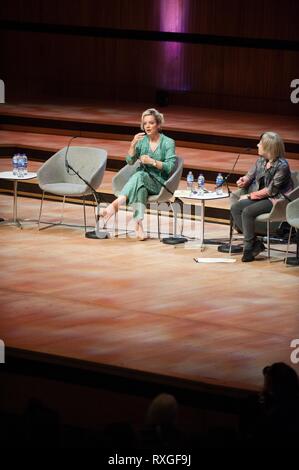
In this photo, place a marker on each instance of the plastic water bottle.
(25, 164)
(219, 184)
(15, 164)
(20, 166)
(190, 181)
(201, 183)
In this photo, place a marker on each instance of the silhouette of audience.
(160, 429)
(273, 419)
(270, 419)
(41, 426)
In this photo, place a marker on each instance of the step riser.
(53, 126)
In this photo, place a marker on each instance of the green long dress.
(141, 184)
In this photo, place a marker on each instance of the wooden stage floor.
(143, 305)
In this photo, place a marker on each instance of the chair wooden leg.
(60, 222)
(95, 212)
(231, 228)
(40, 209)
(288, 247)
(53, 223)
(268, 238)
(158, 215)
(62, 212)
(116, 231)
(175, 218)
(84, 213)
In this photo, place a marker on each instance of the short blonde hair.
(273, 143)
(152, 112)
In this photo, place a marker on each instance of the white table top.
(199, 197)
(8, 175)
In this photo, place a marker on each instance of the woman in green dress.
(156, 153)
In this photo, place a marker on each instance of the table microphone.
(66, 163)
(226, 178)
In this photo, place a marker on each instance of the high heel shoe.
(140, 235)
(141, 238)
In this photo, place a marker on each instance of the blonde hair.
(152, 112)
(273, 143)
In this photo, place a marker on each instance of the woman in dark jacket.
(266, 182)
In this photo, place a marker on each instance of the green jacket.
(165, 152)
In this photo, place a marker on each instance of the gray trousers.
(244, 213)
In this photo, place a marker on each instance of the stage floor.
(144, 305)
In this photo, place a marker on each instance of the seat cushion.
(66, 189)
(263, 217)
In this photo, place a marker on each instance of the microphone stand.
(226, 248)
(226, 178)
(153, 176)
(66, 163)
(95, 234)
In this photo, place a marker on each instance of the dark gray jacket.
(277, 179)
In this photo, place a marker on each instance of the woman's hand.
(241, 183)
(146, 159)
(244, 196)
(137, 137)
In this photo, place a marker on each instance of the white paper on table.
(215, 260)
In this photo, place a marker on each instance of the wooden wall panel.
(253, 19)
(44, 65)
(257, 18)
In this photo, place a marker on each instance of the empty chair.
(292, 216)
(164, 196)
(54, 178)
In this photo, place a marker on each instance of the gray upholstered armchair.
(278, 212)
(292, 216)
(53, 177)
(164, 196)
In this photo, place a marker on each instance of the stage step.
(40, 147)
(190, 127)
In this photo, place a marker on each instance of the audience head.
(162, 411)
(281, 381)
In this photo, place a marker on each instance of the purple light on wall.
(173, 15)
(173, 18)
